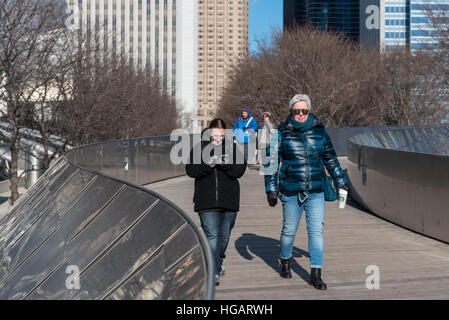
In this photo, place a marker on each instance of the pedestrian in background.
(245, 133)
(265, 137)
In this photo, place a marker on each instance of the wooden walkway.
(411, 266)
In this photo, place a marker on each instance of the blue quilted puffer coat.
(302, 157)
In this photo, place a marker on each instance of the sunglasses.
(298, 111)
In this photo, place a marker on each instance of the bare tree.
(413, 92)
(438, 15)
(32, 34)
(349, 85)
(113, 100)
(59, 86)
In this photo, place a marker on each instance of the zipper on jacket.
(307, 157)
(287, 170)
(216, 186)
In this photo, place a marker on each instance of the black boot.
(285, 268)
(315, 279)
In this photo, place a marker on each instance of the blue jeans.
(217, 226)
(292, 211)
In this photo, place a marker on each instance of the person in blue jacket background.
(245, 129)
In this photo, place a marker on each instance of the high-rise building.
(161, 34)
(294, 13)
(422, 31)
(382, 24)
(404, 24)
(332, 15)
(222, 40)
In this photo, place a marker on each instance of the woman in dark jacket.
(301, 150)
(217, 190)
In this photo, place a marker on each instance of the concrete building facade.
(222, 41)
(161, 34)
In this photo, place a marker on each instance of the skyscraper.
(332, 15)
(403, 24)
(222, 40)
(422, 31)
(156, 33)
(381, 24)
(294, 12)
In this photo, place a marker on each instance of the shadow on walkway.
(249, 245)
(3, 199)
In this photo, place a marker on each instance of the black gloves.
(272, 198)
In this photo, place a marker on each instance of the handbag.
(330, 191)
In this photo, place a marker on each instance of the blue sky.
(263, 15)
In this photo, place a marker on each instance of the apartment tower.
(222, 41)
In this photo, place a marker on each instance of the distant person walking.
(217, 190)
(245, 133)
(265, 137)
(303, 149)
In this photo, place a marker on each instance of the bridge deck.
(411, 266)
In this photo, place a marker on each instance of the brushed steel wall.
(340, 136)
(403, 176)
(87, 212)
(140, 161)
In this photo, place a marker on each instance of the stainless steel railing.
(402, 175)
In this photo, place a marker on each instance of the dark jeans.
(217, 226)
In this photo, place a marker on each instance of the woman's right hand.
(272, 198)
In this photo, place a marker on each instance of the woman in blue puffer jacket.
(299, 153)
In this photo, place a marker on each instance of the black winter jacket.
(216, 188)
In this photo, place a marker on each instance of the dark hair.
(217, 124)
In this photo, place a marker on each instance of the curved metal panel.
(126, 241)
(403, 176)
(340, 136)
(140, 161)
(430, 140)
